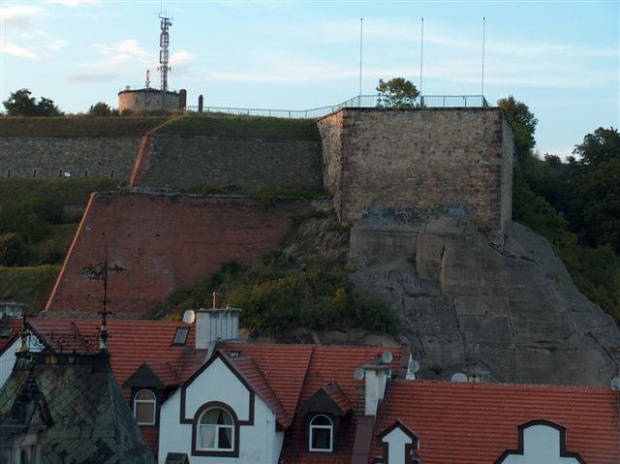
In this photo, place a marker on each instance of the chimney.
(376, 376)
(216, 324)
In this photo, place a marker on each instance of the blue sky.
(560, 58)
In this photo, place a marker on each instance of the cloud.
(20, 17)
(121, 52)
(73, 3)
(57, 45)
(181, 59)
(16, 50)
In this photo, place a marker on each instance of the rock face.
(509, 313)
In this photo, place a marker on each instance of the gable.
(216, 381)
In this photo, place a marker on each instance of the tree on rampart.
(398, 92)
(20, 103)
(102, 109)
(523, 123)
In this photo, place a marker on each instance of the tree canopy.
(20, 103)
(398, 92)
(523, 122)
(102, 109)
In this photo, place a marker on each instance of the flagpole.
(421, 54)
(484, 24)
(361, 44)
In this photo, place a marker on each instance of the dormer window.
(321, 434)
(144, 404)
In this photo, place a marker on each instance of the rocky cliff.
(507, 313)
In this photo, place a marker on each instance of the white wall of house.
(541, 443)
(7, 360)
(396, 441)
(258, 443)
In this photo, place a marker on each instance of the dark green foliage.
(277, 299)
(12, 250)
(244, 127)
(102, 109)
(20, 103)
(576, 206)
(29, 285)
(398, 92)
(523, 122)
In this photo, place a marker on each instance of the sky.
(561, 58)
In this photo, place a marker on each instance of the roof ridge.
(542, 386)
(232, 362)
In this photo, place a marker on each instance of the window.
(180, 336)
(144, 404)
(321, 434)
(216, 431)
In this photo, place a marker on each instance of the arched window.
(144, 405)
(215, 431)
(321, 434)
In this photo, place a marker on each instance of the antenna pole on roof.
(361, 43)
(484, 27)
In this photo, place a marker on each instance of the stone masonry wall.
(164, 243)
(52, 157)
(186, 162)
(331, 129)
(404, 166)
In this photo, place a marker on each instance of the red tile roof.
(253, 375)
(334, 364)
(284, 367)
(476, 423)
(131, 343)
(335, 393)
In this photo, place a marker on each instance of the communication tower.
(164, 42)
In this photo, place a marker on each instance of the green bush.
(12, 250)
(29, 285)
(277, 299)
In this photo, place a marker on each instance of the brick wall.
(164, 243)
(405, 166)
(185, 162)
(52, 157)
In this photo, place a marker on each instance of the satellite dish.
(386, 358)
(189, 316)
(358, 374)
(414, 366)
(459, 377)
(615, 383)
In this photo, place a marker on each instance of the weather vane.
(100, 271)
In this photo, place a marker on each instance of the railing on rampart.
(362, 101)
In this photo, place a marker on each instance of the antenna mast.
(164, 42)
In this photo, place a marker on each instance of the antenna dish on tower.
(615, 383)
(459, 377)
(386, 358)
(358, 374)
(189, 316)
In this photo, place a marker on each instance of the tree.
(101, 109)
(398, 92)
(523, 122)
(20, 103)
(600, 147)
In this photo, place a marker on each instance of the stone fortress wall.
(399, 167)
(186, 162)
(54, 157)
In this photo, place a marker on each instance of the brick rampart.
(186, 162)
(390, 167)
(164, 243)
(54, 157)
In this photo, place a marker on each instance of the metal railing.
(362, 101)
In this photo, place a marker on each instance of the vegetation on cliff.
(292, 289)
(574, 204)
(38, 219)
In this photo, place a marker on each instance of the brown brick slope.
(164, 243)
